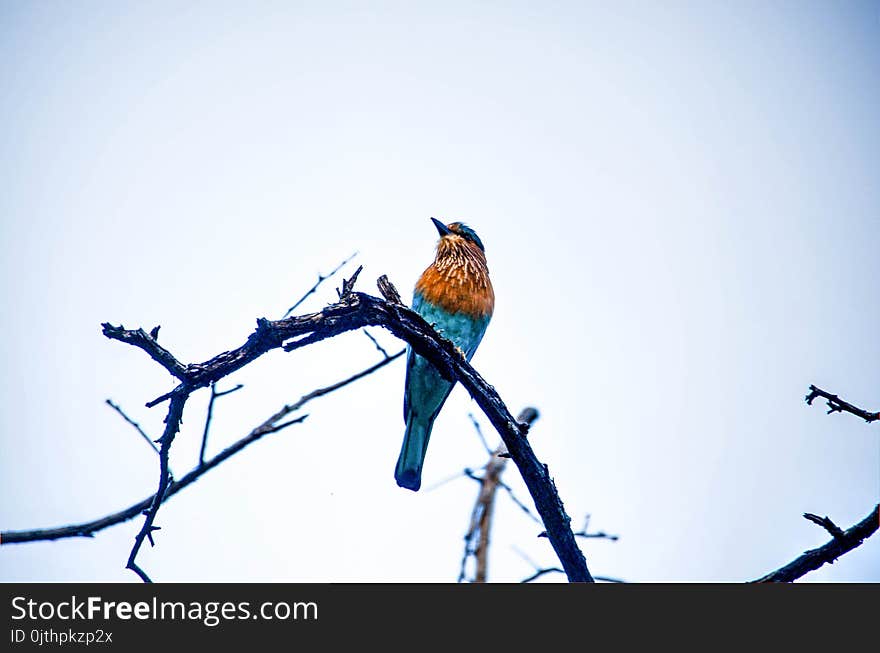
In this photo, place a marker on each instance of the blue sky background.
(680, 208)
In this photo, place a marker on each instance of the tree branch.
(842, 542)
(837, 405)
(357, 310)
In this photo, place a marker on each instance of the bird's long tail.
(408, 472)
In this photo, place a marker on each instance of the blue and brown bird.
(454, 295)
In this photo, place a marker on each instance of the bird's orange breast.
(458, 282)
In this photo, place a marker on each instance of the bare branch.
(814, 558)
(837, 405)
(214, 396)
(270, 425)
(137, 426)
(321, 279)
(376, 342)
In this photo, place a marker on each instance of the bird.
(454, 295)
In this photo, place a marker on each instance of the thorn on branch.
(150, 534)
(154, 332)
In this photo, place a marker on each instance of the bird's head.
(457, 234)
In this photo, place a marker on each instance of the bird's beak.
(442, 228)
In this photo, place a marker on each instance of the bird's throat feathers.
(458, 279)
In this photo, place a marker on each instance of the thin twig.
(376, 342)
(599, 535)
(540, 572)
(214, 395)
(550, 570)
(584, 533)
(480, 433)
(348, 284)
(321, 279)
(137, 426)
(519, 504)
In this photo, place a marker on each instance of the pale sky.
(680, 208)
